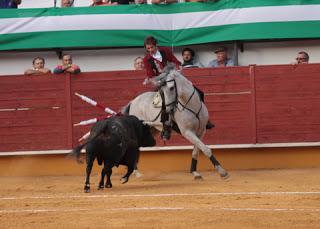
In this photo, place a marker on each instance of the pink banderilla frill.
(94, 120)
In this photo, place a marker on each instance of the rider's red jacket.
(154, 67)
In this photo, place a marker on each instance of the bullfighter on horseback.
(155, 60)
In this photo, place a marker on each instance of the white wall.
(122, 59)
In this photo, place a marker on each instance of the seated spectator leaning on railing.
(103, 3)
(189, 61)
(7, 4)
(38, 67)
(140, 2)
(138, 63)
(66, 3)
(302, 58)
(163, 1)
(67, 66)
(222, 58)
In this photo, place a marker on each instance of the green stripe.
(126, 38)
(151, 9)
(252, 31)
(94, 38)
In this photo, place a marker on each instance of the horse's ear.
(170, 66)
(155, 82)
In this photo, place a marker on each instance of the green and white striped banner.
(173, 25)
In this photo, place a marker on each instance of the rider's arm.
(173, 59)
(148, 67)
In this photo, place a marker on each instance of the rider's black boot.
(166, 133)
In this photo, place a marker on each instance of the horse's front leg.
(207, 151)
(194, 162)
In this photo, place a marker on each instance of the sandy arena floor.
(249, 199)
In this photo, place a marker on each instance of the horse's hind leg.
(207, 151)
(194, 161)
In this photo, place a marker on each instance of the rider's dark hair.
(150, 41)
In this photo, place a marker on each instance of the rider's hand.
(146, 81)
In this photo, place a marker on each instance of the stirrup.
(165, 135)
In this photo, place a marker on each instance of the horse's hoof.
(137, 173)
(197, 176)
(223, 173)
(124, 180)
(225, 176)
(108, 185)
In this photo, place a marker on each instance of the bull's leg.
(108, 169)
(125, 178)
(194, 161)
(101, 183)
(207, 151)
(90, 160)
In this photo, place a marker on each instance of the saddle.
(157, 100)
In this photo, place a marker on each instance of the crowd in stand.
(66, 66)
(160, 55)
(154, 61)
(69, 3)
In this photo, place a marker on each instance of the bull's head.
(147, 138)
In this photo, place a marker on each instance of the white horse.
(186, 110)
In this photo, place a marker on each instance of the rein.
(184, 106)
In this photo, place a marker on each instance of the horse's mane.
(170, 66)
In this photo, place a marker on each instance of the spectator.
(67, 66)
(38, 67)
(222, 58)
(102, 3)
(302, 58)
(9, 4)
(164, 1)
(140, 2)
(188, 56)
(66, 3)
(122, 2)
(138, 63)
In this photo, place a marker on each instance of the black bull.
(115, 141)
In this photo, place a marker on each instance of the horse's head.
(167, 85)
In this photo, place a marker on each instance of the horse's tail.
(126, 109)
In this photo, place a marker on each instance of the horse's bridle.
(176, 92)
(176, 101)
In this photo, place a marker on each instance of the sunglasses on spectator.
(301, 58)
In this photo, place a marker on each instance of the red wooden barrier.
(256, 104)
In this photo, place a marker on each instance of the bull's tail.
(76, 152)
(93, 135)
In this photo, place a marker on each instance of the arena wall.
(249, 105)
